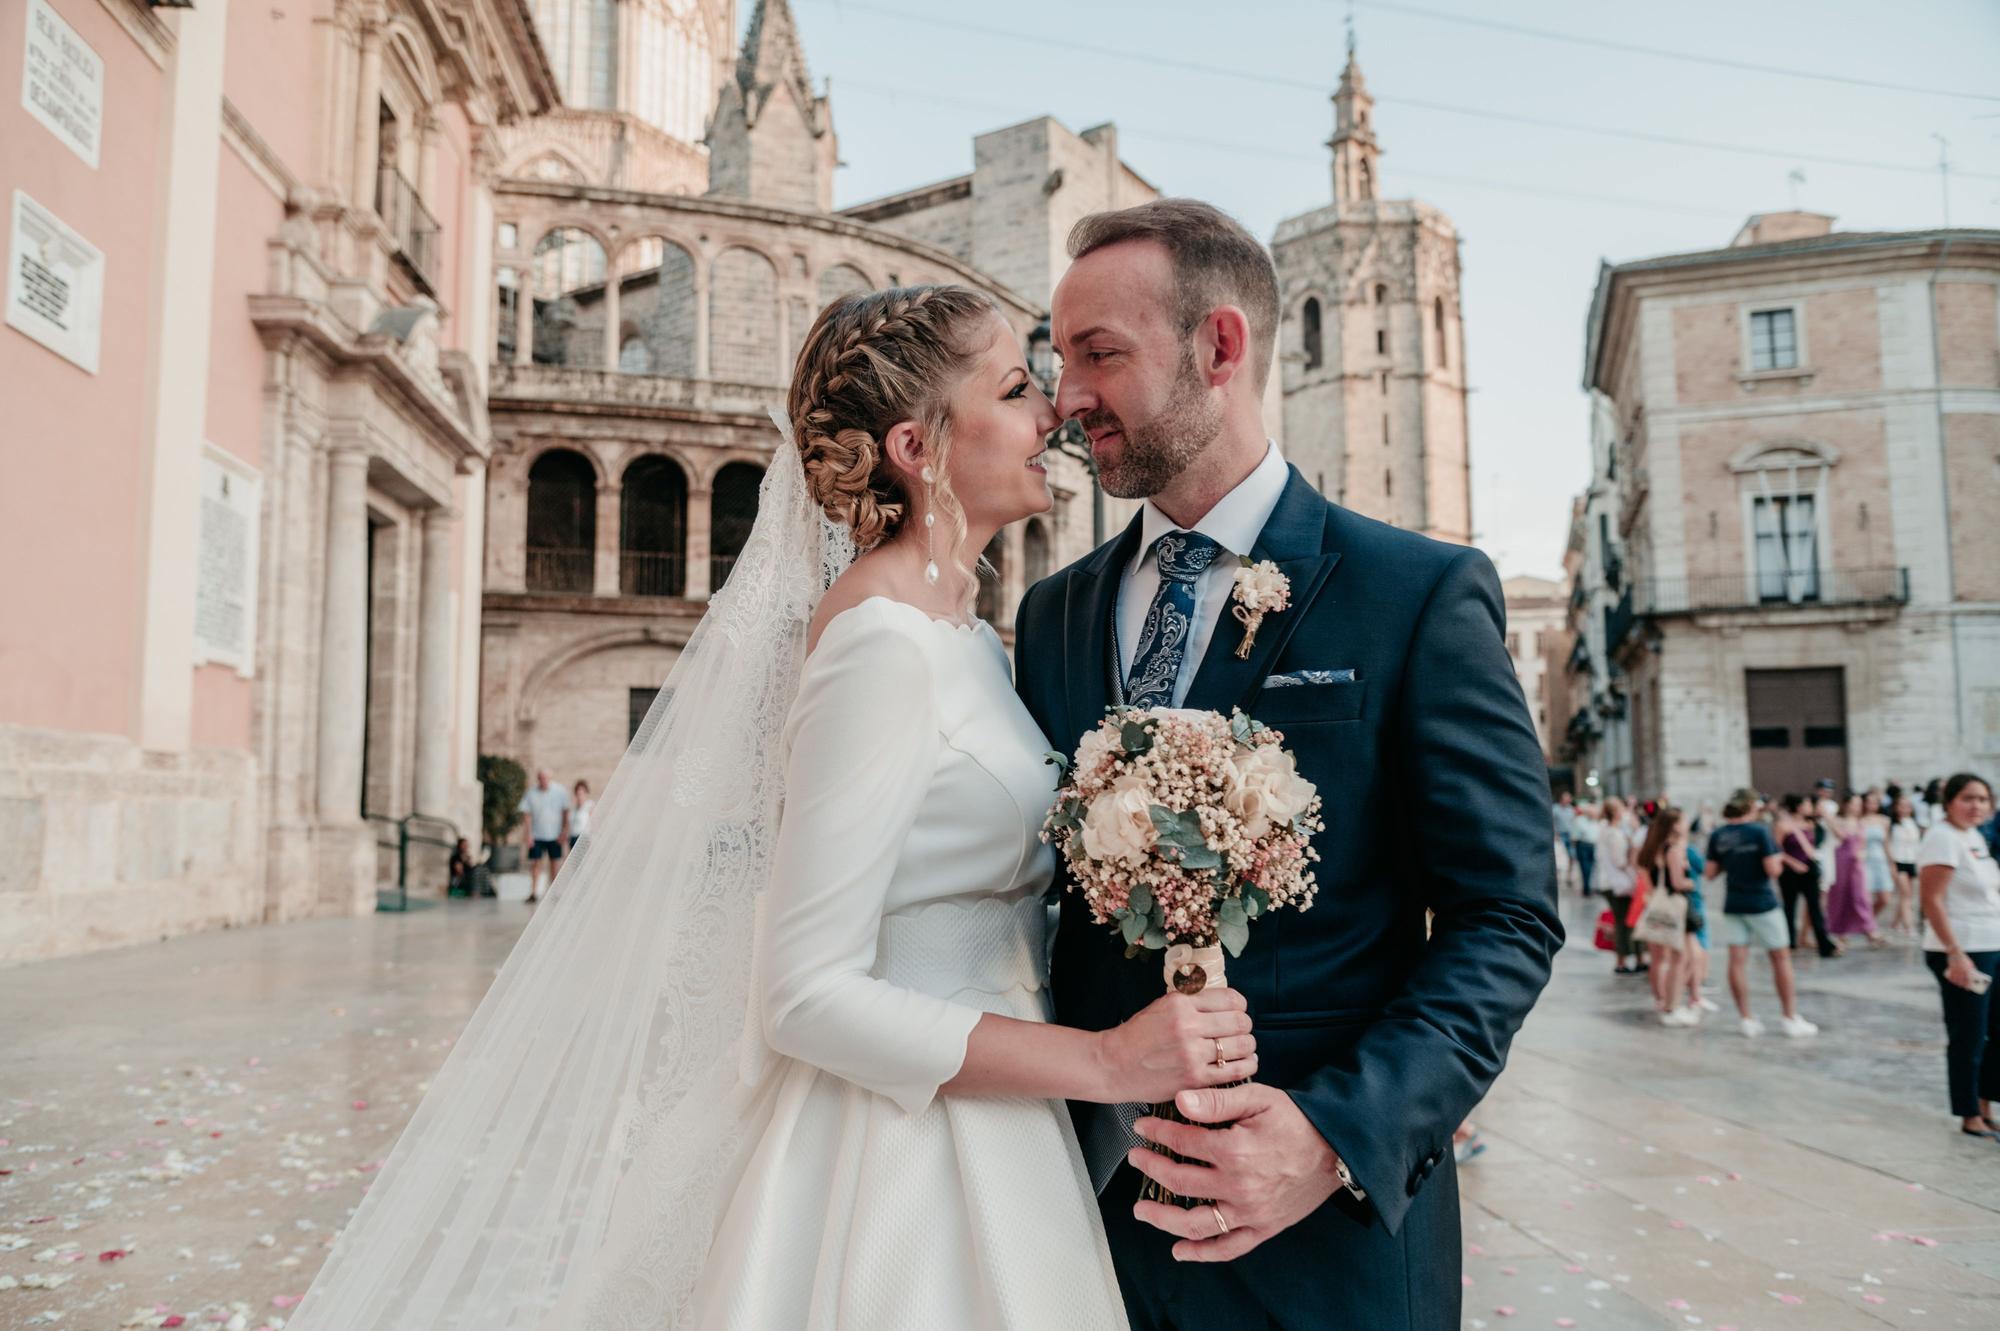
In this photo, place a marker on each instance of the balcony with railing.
(410, 224)
(551, 569)
(1775, 591)
(652, 573)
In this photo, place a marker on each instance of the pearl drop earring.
(930, 527)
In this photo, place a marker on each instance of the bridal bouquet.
(1181, 827)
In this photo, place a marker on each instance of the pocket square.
(1287, 680)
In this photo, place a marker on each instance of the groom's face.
(1129, 374)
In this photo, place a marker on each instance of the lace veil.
(567, 1166)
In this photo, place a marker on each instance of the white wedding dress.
(906, 899)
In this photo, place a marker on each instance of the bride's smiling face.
(1000, 424)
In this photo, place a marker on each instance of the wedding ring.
(1218, 1049)
(1221, 1225)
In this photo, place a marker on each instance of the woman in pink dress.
(1847, 908)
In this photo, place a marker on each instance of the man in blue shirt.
(1743, 851)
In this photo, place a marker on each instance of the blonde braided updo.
(871, 361)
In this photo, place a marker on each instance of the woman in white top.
(1905, 835)
(1614, 879)
(581, 806)
(1961, 896)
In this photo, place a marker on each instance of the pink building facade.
(248, 252)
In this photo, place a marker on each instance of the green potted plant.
(505, 782)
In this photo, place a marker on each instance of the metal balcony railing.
(1807, 590)
(410, 224)
(652, 573)
(1618, 622)
(560, 570)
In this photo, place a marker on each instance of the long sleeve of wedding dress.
(865, 742)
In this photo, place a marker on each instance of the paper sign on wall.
(55, 284)
(62, 84)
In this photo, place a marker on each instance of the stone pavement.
(184, 1125)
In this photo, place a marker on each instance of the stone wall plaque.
(225, 593)
(62, 81)
(55, 284)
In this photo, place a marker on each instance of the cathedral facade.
(651, 293)
(1372, 344)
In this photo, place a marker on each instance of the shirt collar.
(1237, 519)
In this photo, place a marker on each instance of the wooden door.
(1798, 729)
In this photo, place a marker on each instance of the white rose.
(1264, 787)
(1119, 823)
(1092, 749)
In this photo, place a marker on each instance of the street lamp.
(1069, 438)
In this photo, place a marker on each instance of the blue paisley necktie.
(1163, 640)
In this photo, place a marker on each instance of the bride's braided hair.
(872, 360)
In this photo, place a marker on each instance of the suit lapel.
(1090, 664)
(1294, 540)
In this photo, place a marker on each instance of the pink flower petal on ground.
(215, 1134)
(360, 1104)
(1465, 1281)
(1671, 1224)
(1475, 1250)
(1791, 1300)
(1734, 1177)
(1505, 1310)
(1507, 1271)
(1565, 1321)
(1923, 1242)
(286, 1300)
(1873, 1298)
(175, 1320)
(112, 1254)
(1573, 1269)
(1678, 1305)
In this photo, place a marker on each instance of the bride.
(777, 1055)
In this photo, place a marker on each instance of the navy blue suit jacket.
(1436, 798)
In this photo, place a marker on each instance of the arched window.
(1035, 552)
(1381, 292)
(1367, 180)
(1437, 317)
(840, 280)
(1309, 333)
(569, 271)
(652, 529)
(562, 522)
(987, 606)
(656, 309)
(743, 318)
(732, 512)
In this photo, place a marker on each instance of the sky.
(1237, 112)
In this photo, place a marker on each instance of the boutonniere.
(1260, 590)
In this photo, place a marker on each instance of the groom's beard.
(1158, 450)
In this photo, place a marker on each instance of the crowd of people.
(1807, 870)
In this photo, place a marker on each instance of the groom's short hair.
(1215, 262)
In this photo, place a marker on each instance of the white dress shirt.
(1235, 523)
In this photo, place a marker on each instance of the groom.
(1336, 1201)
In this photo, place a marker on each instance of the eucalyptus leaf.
(1141, 900)
(1132, 927)
(1231, 911)
(1059, 761)
(1156, 937)
(1137, 740)
(1256, 899)
(1200, 857)
(1234, 935)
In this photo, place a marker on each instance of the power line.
(894, 92)
(1473, 112)
(1637, 48)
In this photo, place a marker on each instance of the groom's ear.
(1222, 345)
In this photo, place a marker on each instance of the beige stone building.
(642, 334)
(1538, 643)
(255, 242)
(1796, 550)
(1372, 349)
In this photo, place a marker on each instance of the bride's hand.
(1172, 1045)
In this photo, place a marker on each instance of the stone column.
(430, 131)
(701, 333)
(605, 573)
(434, 658)
(698, 530)
(612, 269)
(343, 650)
(368, 117)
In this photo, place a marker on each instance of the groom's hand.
(1267, 1169)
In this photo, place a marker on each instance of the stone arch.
(658, 307)
(839, 280)
(653, 526)
(561, 530)
(560, 715)
(530, 452)
(401, 39)
(1784, 452)
(563, 165)
(568, 269)
(732, 507)
(743, 342)
(1312, 332)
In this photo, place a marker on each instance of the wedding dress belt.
(988, 944)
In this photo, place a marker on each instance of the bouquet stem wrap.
(1189, 970)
